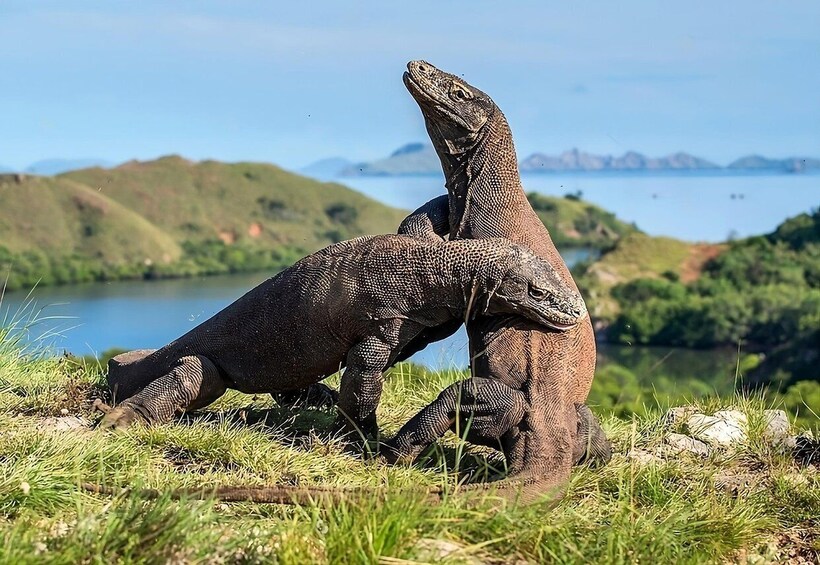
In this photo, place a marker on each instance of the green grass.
(669, 511)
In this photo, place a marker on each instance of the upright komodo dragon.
(359, 304)
(531, 378)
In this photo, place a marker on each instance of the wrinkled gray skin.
(358, 304)
(552, 371)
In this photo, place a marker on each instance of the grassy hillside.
(66, 218)
(752, 505)
(250, 202)
(575, 223)
(637, 256)
(760, 294)
(172, 217)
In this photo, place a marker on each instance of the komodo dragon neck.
(486, 175)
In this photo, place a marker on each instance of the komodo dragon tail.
(512, 489)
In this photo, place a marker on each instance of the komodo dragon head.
(530, 287)
(454, 112)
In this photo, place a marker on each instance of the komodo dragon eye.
(460, 93)
(538, 293)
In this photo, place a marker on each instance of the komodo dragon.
(357, 304)
(551, 370)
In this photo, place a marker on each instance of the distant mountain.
(789, 165)
(325, 169)
(421, 159)
(575, 160)
(49, 167)
(410, 159)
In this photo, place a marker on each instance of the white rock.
(65, 423)
(725, 428)
(677, 443)
(778, 429)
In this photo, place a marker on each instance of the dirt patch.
(255, 230)
(699, 254)
(227, 237)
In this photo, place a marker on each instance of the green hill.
(172, 217)
(248, 202)
(575, 223)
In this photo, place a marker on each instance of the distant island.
(421, 159)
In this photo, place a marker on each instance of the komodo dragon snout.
(532, 288)
(462, 109)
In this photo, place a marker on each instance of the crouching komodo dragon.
(537, 376)
(356, 304)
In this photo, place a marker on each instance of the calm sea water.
(692, 206)
(91, 318)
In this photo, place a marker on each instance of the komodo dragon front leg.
(362, 382)
(487, 412)
(192, 382)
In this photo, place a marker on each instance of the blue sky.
(293, 82)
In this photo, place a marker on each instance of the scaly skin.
(357, 304)
(485, 199)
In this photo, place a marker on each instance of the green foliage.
(762, 291)
(803, 400)
(799, 231)
(342, 213)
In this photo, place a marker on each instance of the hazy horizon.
(292, 84)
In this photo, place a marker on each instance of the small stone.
(40, 547)
(430, 550)
(644, 457)
(64, 411)
(25, 487)
(725, 428)
(678, 415)
(678, 443)
(65, 423)
(738, 483)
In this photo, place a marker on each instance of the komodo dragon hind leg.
(479, 409)
(193, 382)
(487, 412)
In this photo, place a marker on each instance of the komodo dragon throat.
(356, 304)
(485, 199)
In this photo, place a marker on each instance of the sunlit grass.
(670, 510)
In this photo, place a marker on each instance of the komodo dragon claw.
(101, 406)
